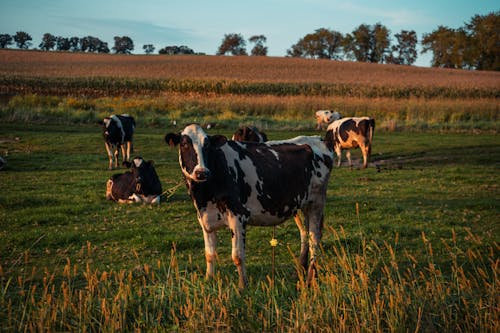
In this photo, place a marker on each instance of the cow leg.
(304, 241)
(238, 234)
(315, 217)
(126, 154)
(365, 149)
(124, 151)
(338, 151)
(110, 154)
(210, 252)
(348, 155)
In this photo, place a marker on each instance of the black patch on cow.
(147, 178)
(276, 192)
(113, 133)
(347, 126)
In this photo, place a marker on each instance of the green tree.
(259, 49)
(5, 40)
(123, 45)
(174, 49)
(442, 42)
(74, 43)
(23, 39)
(148, 48)
(322, 44)
(62, 44)
(48, 42)
(405, 51)
(368, 43)
(484, 42)
(234, 44)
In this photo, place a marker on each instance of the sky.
(202, 24)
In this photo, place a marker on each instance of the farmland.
(409, 245)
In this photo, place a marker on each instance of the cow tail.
(372, 129)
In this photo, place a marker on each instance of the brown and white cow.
(250, 134)
(325, 117)
(351, 132)
(235, 184)
(140, 184)
(118, 132)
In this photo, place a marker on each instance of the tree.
(174, 49)
(123, 45)
(322, 44)
(74, 44)
(48, 42)
(368, 43)
(148, 48)
(484, 42)
(259, 49)
(234, 44)
(22, 39)
(62, 44)
(405, 52)
(5, 40)
(445, 49)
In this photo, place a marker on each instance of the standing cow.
(140, 184)
(118, 131)
(250, 134)
(235, 184)
(325, 117)
(347, 133)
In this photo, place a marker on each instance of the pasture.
(410, 244)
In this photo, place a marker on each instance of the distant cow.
(325, 117)
(235, 184)
(249, 134)
(348, 133)
(118, 131)
(140, 184)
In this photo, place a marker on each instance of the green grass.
(70, 260)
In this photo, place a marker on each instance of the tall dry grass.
(376, 288)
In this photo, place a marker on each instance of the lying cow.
(348, 133)
(325, 117)
(250, 134)
(235, 184)
(118, 131)
(140, 184)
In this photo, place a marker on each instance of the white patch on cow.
(138, 162)
(198, 137)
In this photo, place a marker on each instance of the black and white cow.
(325, 118)
(235, 184)
(140, 184)
(351, 132)
(118, 131)
(250, 134)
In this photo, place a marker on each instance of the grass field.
(411, 244)
(419, 254)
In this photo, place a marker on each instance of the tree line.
(476, 45)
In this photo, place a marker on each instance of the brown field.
(251, 69)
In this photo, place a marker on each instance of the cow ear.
(217, 140)
(126, 164)
(172, 139)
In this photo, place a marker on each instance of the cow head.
(146, 178)
(109, 128)
(195, 147)
(249, 134)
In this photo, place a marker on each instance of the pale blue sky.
(201, 24)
